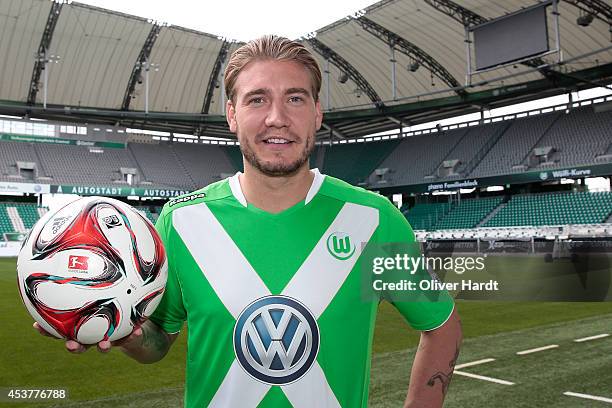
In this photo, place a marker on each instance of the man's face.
(274, 116)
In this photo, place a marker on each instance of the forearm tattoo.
(154, 340)
(445, 378)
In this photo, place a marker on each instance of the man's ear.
(230, 115)
(318, 114)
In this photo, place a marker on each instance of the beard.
(272, 168)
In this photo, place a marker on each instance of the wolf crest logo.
(340, 246)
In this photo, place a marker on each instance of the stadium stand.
(591, 128)
(204, 165)
(181, 165)
(554, 209)
(544, 141)
(354, 162)
(10, 154)
(235, 157)
(29, 214)
(424, 216)
(78, 165)
(146, 211)
(317, 158)
(519, 233)
(514, 145)
(158, 166)
(19, 217)
(532, 142)
(16, 220)
(468, 213)
(470, 144)
(418, 156)
(5, 222)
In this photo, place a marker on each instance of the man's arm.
(434, 364)
(148, 346)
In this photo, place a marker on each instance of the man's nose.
(277, 115)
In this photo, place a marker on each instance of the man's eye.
(296, 99)
(256, 101)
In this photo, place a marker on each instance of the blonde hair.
(270, 47)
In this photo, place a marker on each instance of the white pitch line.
(482, 377)
(473, 363)
(535, 350)
(587, 396)
(599, 336)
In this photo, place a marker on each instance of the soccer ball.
(92, 270)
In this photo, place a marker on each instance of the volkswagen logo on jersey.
(340, 246)
(276, 340)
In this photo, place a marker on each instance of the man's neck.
(275, 194)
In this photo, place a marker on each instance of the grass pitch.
(491, 330)
(539, 378)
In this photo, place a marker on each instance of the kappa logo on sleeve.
(186, 198)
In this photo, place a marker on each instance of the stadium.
(488, 123)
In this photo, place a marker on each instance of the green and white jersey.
(273, 301)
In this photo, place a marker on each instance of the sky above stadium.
(238, 19)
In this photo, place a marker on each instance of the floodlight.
(584, 20)
(414, 66)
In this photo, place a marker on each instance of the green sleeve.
(426, 313)
(170, 314)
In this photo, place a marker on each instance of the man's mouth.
(277, 140)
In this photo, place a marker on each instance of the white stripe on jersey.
(226, 269)
(321, 275)
(312, 390)
(239, 390)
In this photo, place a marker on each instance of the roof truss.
(143, 57)
(411, 50)
(598, 8)
(213, 80)
(346, 67)
(43, 48)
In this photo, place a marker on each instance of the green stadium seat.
(554, 209)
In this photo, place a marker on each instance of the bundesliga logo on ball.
(92, 270)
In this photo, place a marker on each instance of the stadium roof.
(97, 62)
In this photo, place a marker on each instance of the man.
(264, 266)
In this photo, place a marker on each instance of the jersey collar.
(234, 184)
